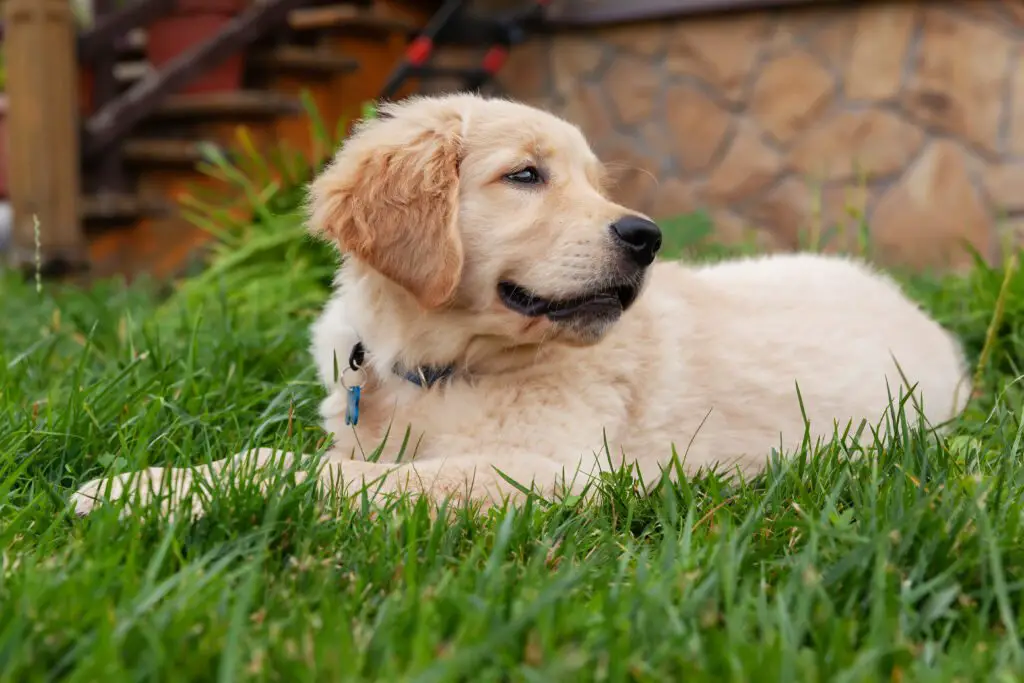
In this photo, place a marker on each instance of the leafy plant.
(262, 253)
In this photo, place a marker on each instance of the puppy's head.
(490, 209)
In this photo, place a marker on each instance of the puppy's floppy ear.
(390, 199)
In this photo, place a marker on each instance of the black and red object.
(454, 25)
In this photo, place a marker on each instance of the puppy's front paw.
(87, 497)
(137, 488)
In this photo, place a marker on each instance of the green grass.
(904, 564)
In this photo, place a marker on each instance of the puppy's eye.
(527, 176)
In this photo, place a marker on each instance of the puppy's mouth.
(605, 302)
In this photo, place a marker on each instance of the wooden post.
(43, 128)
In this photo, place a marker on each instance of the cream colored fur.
(708, 359)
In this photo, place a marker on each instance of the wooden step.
(245, 104)
(154, 247)
(377, 16)
(305, 59)
(127, 72)
(163, 151)
(121, 207)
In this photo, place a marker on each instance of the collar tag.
(353, 378)
(352, 405)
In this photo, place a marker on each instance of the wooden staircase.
(341, 54)
(138, 131)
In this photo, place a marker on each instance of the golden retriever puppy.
(498, 305)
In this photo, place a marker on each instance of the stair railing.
(116, 118)
(49, 148)
(97, 49)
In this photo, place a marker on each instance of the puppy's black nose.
(640, 237)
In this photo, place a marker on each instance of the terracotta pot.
(191, 22)
(4, 192)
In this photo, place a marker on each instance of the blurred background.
(130, 130)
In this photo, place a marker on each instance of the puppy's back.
(755, 329)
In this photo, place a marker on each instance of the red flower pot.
(3, 147)
(191, 22)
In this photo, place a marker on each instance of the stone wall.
(909, 115)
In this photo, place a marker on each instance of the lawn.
(903, 563)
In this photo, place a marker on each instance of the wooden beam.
(163, 152)
(236, 104)
(114, 26)
(377, 15)
(43, 159)
(583, 13)
(117, 118)
(304, 59)
(115, 207)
